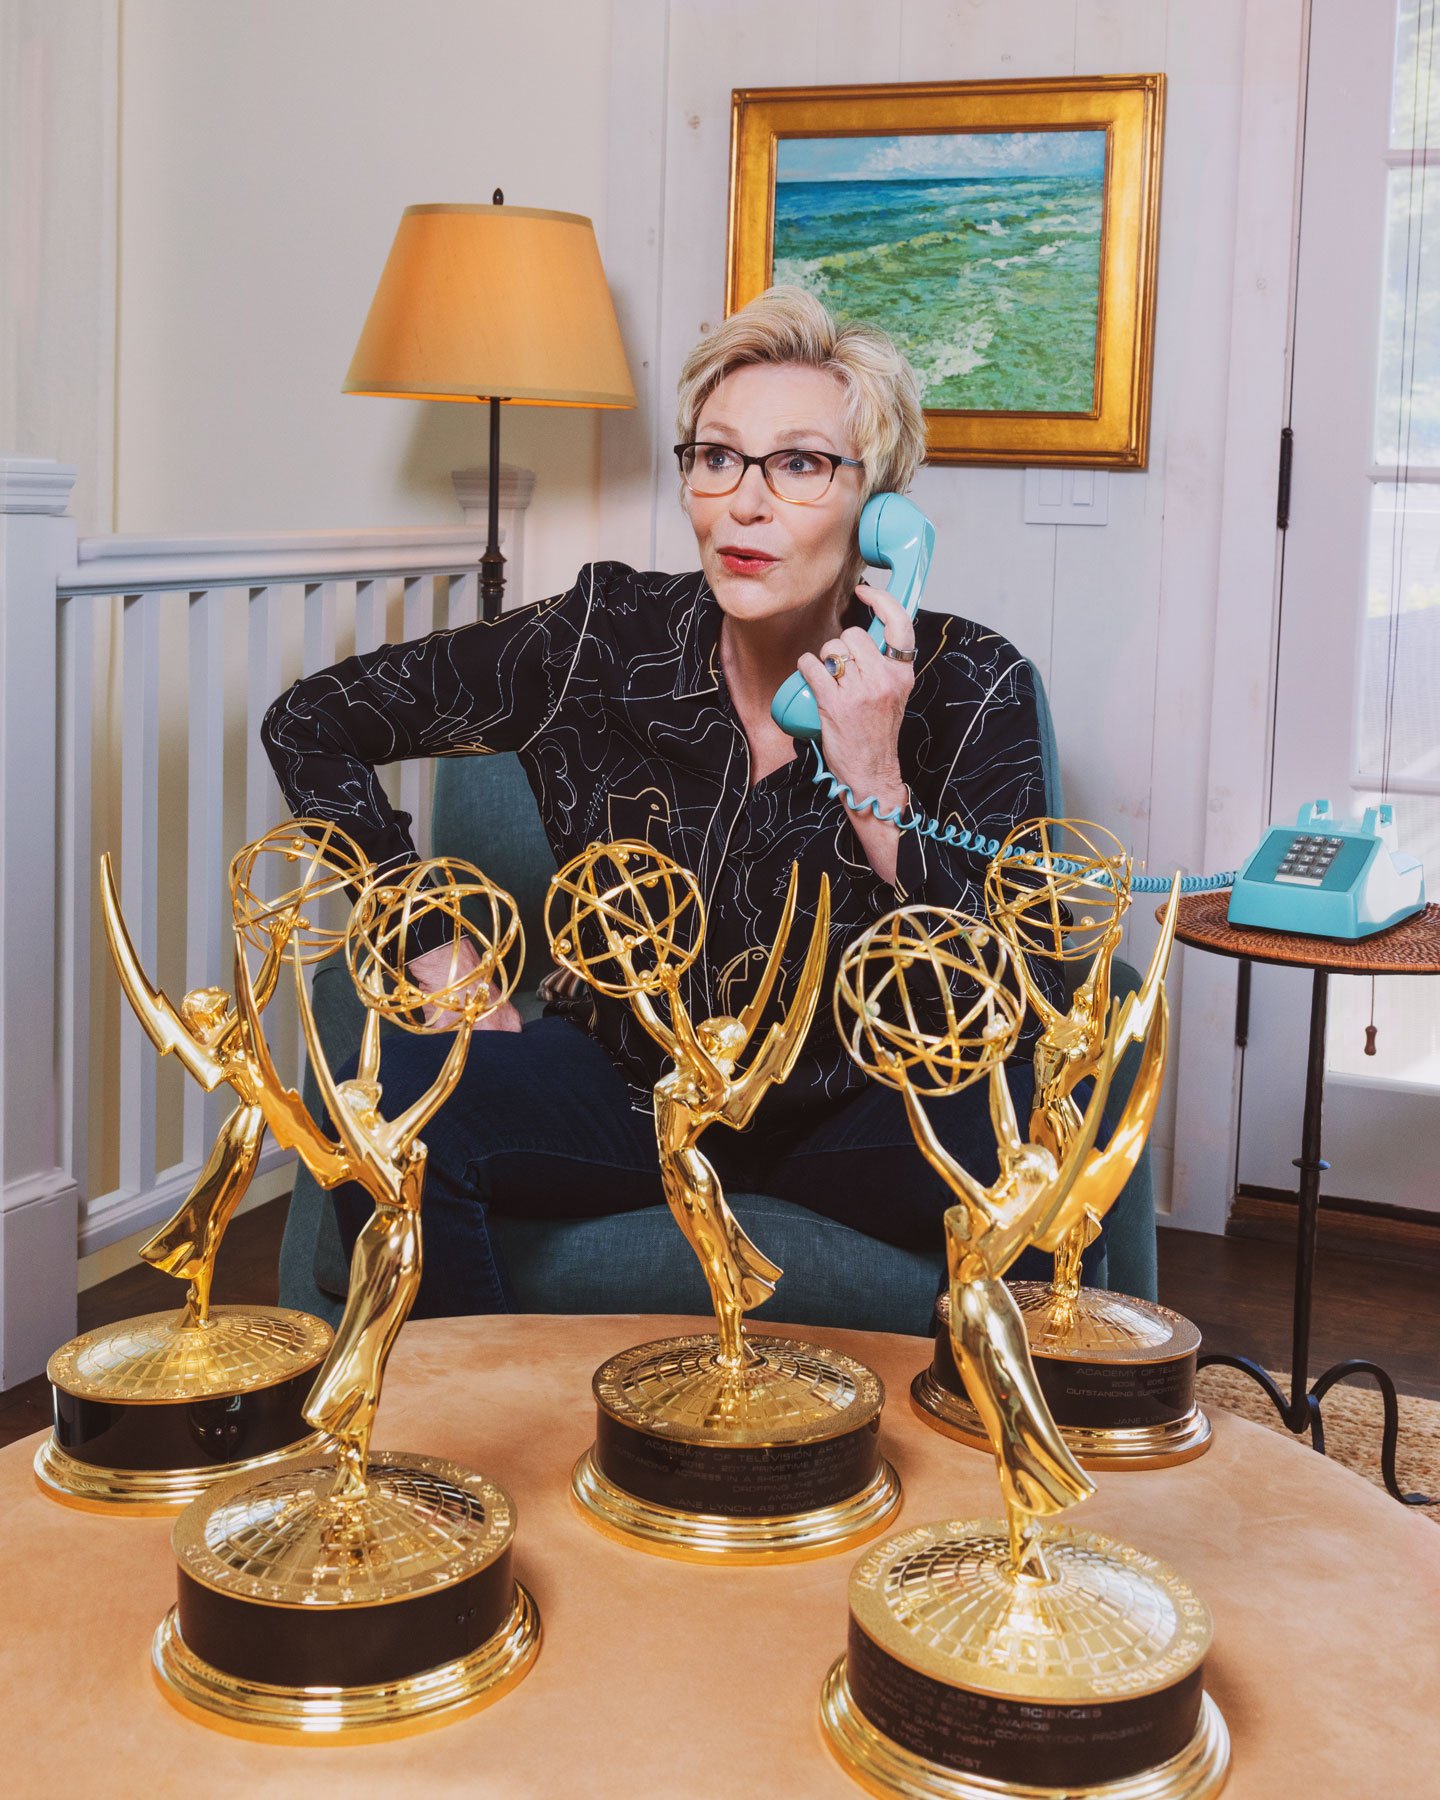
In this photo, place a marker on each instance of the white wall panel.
(59, 101)
(266, 154)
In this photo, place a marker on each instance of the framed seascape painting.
(1003, 232)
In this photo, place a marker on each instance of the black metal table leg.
(1301, 1412)
(1391, 1436)
(1312, 1166)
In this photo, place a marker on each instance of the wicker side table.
(1410, 948)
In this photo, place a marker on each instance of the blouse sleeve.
(971, 756)
(976, 764)
(485, 687)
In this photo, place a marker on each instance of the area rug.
(1354, 1417)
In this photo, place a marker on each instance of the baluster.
(464, 599)
(371, 601)
(208, 943)
(321, 637)
(263, 805)
(79, 623)
(372, 629)
(320, 613)
(418, 619)
(319, 652)
(417, 606)
(139, 850)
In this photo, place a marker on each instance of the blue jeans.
(541, 1126)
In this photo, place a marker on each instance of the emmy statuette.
(356, 1594)
(722, 1446)
(151, 1412)
(1009, 1655)
(1117, 1372)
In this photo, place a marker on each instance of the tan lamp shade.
(481, 301)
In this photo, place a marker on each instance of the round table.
(666, 1680)
(1410, 948)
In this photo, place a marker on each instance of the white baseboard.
(37, 1273)
(125, 1215)
(119, 1254)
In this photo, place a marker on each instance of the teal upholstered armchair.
(638, 1261)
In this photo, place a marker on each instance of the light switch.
(1067, 496)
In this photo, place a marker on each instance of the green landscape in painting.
(979, 252)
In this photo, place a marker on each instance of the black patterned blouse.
(613, 697)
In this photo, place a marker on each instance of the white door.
(1358, 699)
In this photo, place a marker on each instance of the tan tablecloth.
(662, 1679)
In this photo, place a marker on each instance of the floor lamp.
(501, 303)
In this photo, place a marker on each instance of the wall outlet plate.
(1067, 496)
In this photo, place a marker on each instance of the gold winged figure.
(1035, 1200)
(1037, 1197)
(952, 1621)
(983, 1236)
(705, 1087)
(1138, 1016)
(385, 1156)
(1077, 909)
(205, 1034)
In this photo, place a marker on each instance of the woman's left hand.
(860, 711)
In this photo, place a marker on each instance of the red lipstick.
(740, 561)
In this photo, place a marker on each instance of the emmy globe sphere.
(288, 879)
(624, 918)
(439, 904)
(1058, 888)
(921, 1000)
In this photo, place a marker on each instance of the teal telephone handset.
(894, 535)
(1329, 877)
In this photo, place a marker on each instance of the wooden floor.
(1238, 1291)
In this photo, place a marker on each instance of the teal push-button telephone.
(1329, 877)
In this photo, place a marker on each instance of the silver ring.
(888, 649)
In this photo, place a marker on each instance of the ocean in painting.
(988, 279)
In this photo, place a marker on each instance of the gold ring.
(836, 665)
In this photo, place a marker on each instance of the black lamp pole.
(492, 563)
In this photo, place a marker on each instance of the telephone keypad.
(1308, 858)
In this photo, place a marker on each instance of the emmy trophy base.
(303, 1619)
(962, 1681)
(1117, 1373)
(777, 1463)
(152, 1412)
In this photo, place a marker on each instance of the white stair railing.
(137, 671)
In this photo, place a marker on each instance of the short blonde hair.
(884, 413)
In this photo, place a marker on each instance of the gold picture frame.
(1062, 175)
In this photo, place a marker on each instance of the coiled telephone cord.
(984, 848)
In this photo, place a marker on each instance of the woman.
(639, 704)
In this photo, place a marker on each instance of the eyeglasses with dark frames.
(800, 477)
